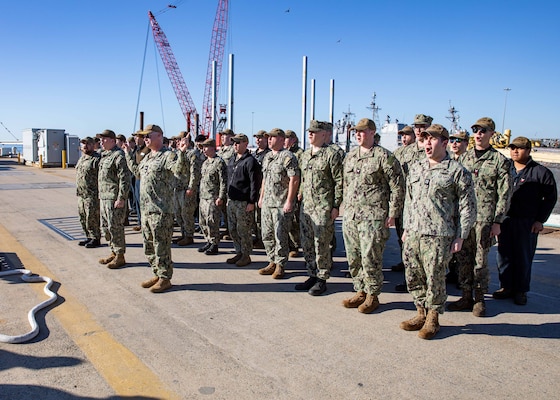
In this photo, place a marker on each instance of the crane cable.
(141, 78)
(28, 276)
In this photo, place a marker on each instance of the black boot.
(308, 284)
(319, 288)
(212, 250)
(204, 248)
(93, 243)
(84, 242)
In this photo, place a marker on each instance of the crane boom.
(183, 96)
(217, 47)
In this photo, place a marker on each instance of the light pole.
(507, 90)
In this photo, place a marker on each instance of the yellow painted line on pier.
(121, 369)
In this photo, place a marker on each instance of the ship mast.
(454, 118)
(374, 110)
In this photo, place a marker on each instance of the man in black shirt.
(534, 196)
(244, 183)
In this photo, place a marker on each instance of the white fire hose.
(27, 276)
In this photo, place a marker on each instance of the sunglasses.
(477, 129)
(456, 140)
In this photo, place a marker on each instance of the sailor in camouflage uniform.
(373, 197)
(185, 193)
(407, 139)
(261, 141)
(114, 187)
(292, 143)
(87, 190)
(226, 153)
(213, 191)
(320, 194)
(157, 171)
(493, 187)
(277, 200)
(439, 211)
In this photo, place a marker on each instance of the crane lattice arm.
(185, 100)
(217, 46)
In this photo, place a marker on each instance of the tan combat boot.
(185, 241)
(268, 270)
(234, 259)
(278, 272)
(108, 259)
(416, 323)
(464, 303)
(243, 261)
(370, 304)
(354, 301)
(150, 282)
(161, 286)
(117, 262)
(431, 326)
(479, 308)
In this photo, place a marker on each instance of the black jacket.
(245, 177)
(534, 192)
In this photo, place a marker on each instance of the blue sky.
(76, 65)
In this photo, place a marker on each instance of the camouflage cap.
(460, 135)
(107, 133)
(437, 130)
(121, 137)
(318, 126)
(485, 122)
(260, 134)
(521, 142)
(87, 139)
(227, 132)
(421, 119)
(150, 129)
(182, 135)
(240, 137)
(277, 132)
(290, 134)
(138, 133)
(406, 130)
(363, 124)
(209, 143)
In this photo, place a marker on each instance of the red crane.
(185, 100)
(217, 46)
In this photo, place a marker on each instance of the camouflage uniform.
(321, 190)
(157, 172)
(440, 206)
(189, 179)
(87, 190)
(373, 191)
(295, 234)
(277, 170)
(493, 188)
(213, 186)
(114, 184)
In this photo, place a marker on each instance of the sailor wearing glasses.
(492, 182)
(458, 143)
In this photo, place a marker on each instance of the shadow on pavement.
(16, 392)
(14, 360)
(543, 331)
